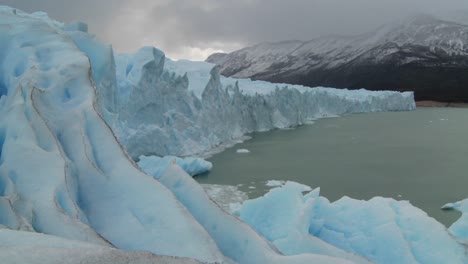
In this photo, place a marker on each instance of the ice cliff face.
(185, 108)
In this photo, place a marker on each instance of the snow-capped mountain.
(425, 54)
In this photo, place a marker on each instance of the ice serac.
(184, 108)
(103, 68)
(157, 113)
(62, 172)
(381, 230)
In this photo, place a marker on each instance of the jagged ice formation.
(185, 108)
(63, 172)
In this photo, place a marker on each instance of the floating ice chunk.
(460, 228)
(155, 166)
(298, 223)
(242, 151)
(283, 216)
(275, 183)
(449, 206)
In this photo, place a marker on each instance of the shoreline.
(440, 104)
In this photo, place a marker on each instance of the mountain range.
(423, 53)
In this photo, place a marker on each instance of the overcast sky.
(193, 29)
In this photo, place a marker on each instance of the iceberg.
(459, 229)
(275, 183)
(381, 230)
(238, 240)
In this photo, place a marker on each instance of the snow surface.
(19, 247)
(155, 166)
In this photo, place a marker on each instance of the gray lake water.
(420, 156)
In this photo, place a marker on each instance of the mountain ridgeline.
(424, 54)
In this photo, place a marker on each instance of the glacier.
(185, 108)
(63, 173)
(74, 116)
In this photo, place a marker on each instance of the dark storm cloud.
(195, 28)
(252, 21)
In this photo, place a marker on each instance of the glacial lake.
(420, 156)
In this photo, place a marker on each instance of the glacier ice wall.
(184, 108)
(63, 173)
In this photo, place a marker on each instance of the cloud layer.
(193, 29)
